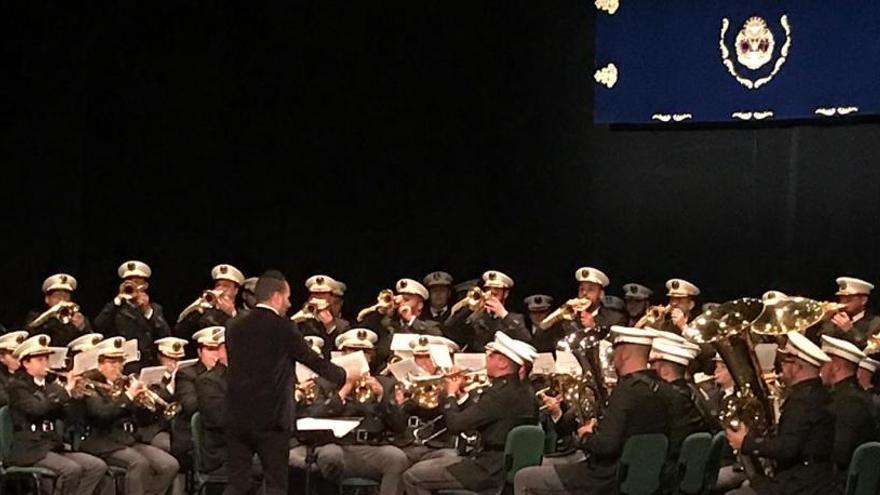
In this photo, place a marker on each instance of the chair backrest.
(198, 439)
(524, 447)
(692, 462)
(641, 463)
(863, 477)
(5, 432)
(713, 463)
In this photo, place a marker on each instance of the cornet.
(474, 300)
(63, 311)
(567, 311)
(653, 315)
(385, 301)
(207, 300)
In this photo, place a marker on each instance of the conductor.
(263, 347)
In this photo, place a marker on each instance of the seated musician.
(211, 395)
(154, 427)
(368, 450)
(505, 404)
(208, 345)
(202, 313)
(634, 407)
(405, 317)
(36, 403)
(473, 324)
(803, 443)
(311, 397)
(52, 320)
(9, 364)
(427, 436)
(110, 425)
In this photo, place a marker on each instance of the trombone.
(385, 301)
(567, 311)
(63, 311)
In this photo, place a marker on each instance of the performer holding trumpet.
(585, 311)
(111, 426)
(132, 315)
(214, 307)
(854, 323)
(477, 317)
(62, 319)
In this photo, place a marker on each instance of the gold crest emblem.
(754, 44)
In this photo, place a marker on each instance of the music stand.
(312, 439)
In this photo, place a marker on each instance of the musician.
(111, 425)
(461, 289)
(637, 298)
(337, 300)
(36, 403)
(803, 442)
(247, 294)
(439, 285)
(406, 318)
(211, 388)
(670, 359)
(264, 347)
(634, 407)
(493, 414)
(854, 411)
(208, 342)
(476, 329)
(539, 307)
(368, 451)
(81, 344)
(865, 374)
(134, 316)
(731, 474)
(682, 301)
(153, 427)
(855, 323)
(9, 364)
(57, 292)
(200, 314)
(326, 325)
(425, 419)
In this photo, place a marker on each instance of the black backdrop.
(375, 141)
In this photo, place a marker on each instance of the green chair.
(713, 463)
(641, 463)
(200, 479)
(863, 478)
(692, 462)
(524, 447)
(33, 475)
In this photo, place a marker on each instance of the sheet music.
(544, 364)
(440, 356)
(340, 427)
(355, 363)
(152, 375)
(404, 369)
(131, 351)
(470, 361)
(85, 361)
(186, 363)
(57, 360)
(400, 342)
(304, 373)
(566, 363)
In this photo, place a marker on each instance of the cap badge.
(131, 267)
(675, 284)
(44, 341)
(176, 346)
(362, 335)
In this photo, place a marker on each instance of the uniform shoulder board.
(652, 384)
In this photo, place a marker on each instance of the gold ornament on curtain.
(606, 76)
(755, 45)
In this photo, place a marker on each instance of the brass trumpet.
(63, 311)
(474, 300)
(363, 393)
(567, 311)
(309, 310)
(208, 299)
(146, 398)
(653, 315)
(306, 392)
(128, 290)
(385, 301)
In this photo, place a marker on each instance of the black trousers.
(272, 449)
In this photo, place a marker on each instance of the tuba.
(567, 311)
(385, 301)
(729, 328)
(585, 345)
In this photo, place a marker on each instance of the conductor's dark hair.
(270, 282)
